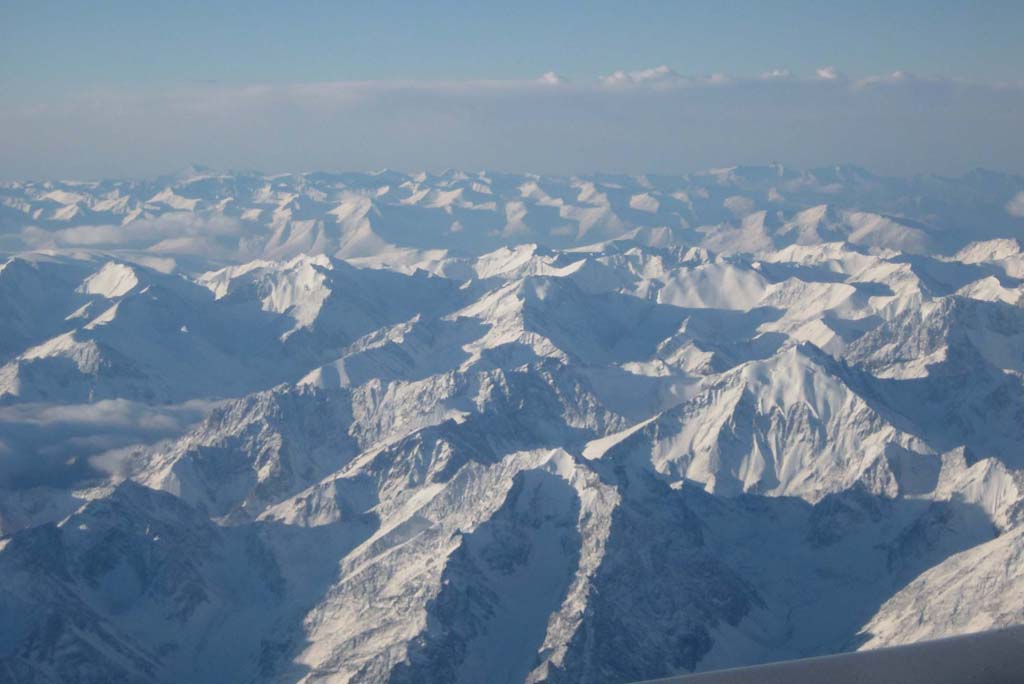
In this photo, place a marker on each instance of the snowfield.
(468, 427)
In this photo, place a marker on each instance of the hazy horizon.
(118, 90)
(201, 169)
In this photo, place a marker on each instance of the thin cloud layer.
(176, 232)
(648, 120)
(59, 444)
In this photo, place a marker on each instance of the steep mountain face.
(489, 427)
(786, 426)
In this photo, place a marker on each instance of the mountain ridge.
(450, 427)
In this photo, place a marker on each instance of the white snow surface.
(466, 427)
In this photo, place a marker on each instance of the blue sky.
(55, 45)
(121, 88)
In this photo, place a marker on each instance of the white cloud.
(79, 236)
(551, 78)
(176, 232)
(1015, 207)
(828, 73)
(47, 443)
(657, 75)
(892, 78)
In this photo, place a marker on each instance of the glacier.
(479, 426)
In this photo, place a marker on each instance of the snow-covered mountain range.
(346, 427)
